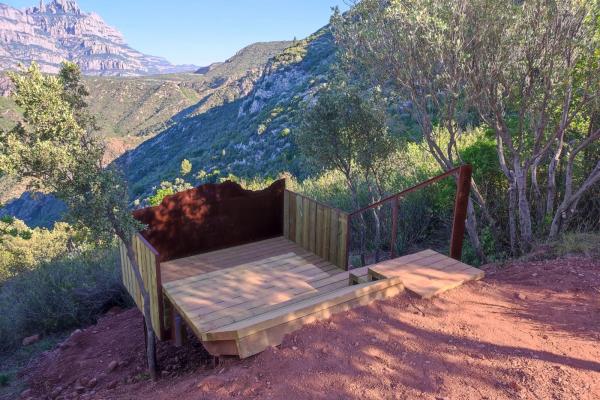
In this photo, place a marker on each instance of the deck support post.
(146, 342)
(178, 329)
(461, 202)
(394, 233)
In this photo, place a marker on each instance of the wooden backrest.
(212, 216)
(319, 228)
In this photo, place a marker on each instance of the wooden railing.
(148, 260)
(320, 229)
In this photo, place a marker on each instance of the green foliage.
(4, 379)
(186, 167)
(24, 251)
(58, 295)
(345, 130)
(56, 154)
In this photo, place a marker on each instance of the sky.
(204, 31)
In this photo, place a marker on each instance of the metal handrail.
(460, 208)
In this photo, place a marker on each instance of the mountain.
(131, 110)
(60, 30)
(248, 135)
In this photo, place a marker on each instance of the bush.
(60, 295)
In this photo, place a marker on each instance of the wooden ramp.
(244, 299)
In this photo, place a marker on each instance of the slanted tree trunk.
(151, 342)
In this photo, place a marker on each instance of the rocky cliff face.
(60, 30)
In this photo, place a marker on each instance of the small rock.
(29, 340)
(75, 332)
(112, 365)
(122, 364)
(294, 348)
(79, 389)
(92, 383)
(26, 393)
(520, 296)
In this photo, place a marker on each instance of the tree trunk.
(471, 225)
(512, 218)
(523, 208)
(151, 339)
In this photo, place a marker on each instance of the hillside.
(60, 30)
(131, 110)
(246, 136)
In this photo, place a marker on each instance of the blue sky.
(204, 31)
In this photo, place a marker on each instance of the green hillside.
(140, 107)
(247, 136)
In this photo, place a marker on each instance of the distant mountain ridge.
(51, 33)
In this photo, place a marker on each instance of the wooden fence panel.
(147, 259)
(318, 228)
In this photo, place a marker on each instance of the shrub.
(59, 295)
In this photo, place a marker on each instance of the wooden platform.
(240, 300)
(426, 273)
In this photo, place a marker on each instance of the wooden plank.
(312, 229)
(292, 216)
(326, 233)
(342, 243)
(333, 237)
(319, 230)
(299, 219)
(286, 214)
(306, 222)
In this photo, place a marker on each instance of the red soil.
(529, 331)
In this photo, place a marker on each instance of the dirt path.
(530, 331)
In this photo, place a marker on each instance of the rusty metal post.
(394, 227)
(461, 202)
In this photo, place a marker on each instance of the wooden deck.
(239, 301)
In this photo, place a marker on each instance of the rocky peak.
(59, 30)
(61, 7)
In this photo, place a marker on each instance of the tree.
(534, 75)
(412, 48)
(529, 70)
(346, 131)
(54, 153)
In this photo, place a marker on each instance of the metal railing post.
(394, 227)
(461, 202)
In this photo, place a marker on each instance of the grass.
(59, 295)
(587, 244)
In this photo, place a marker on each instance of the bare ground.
(528, 331)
